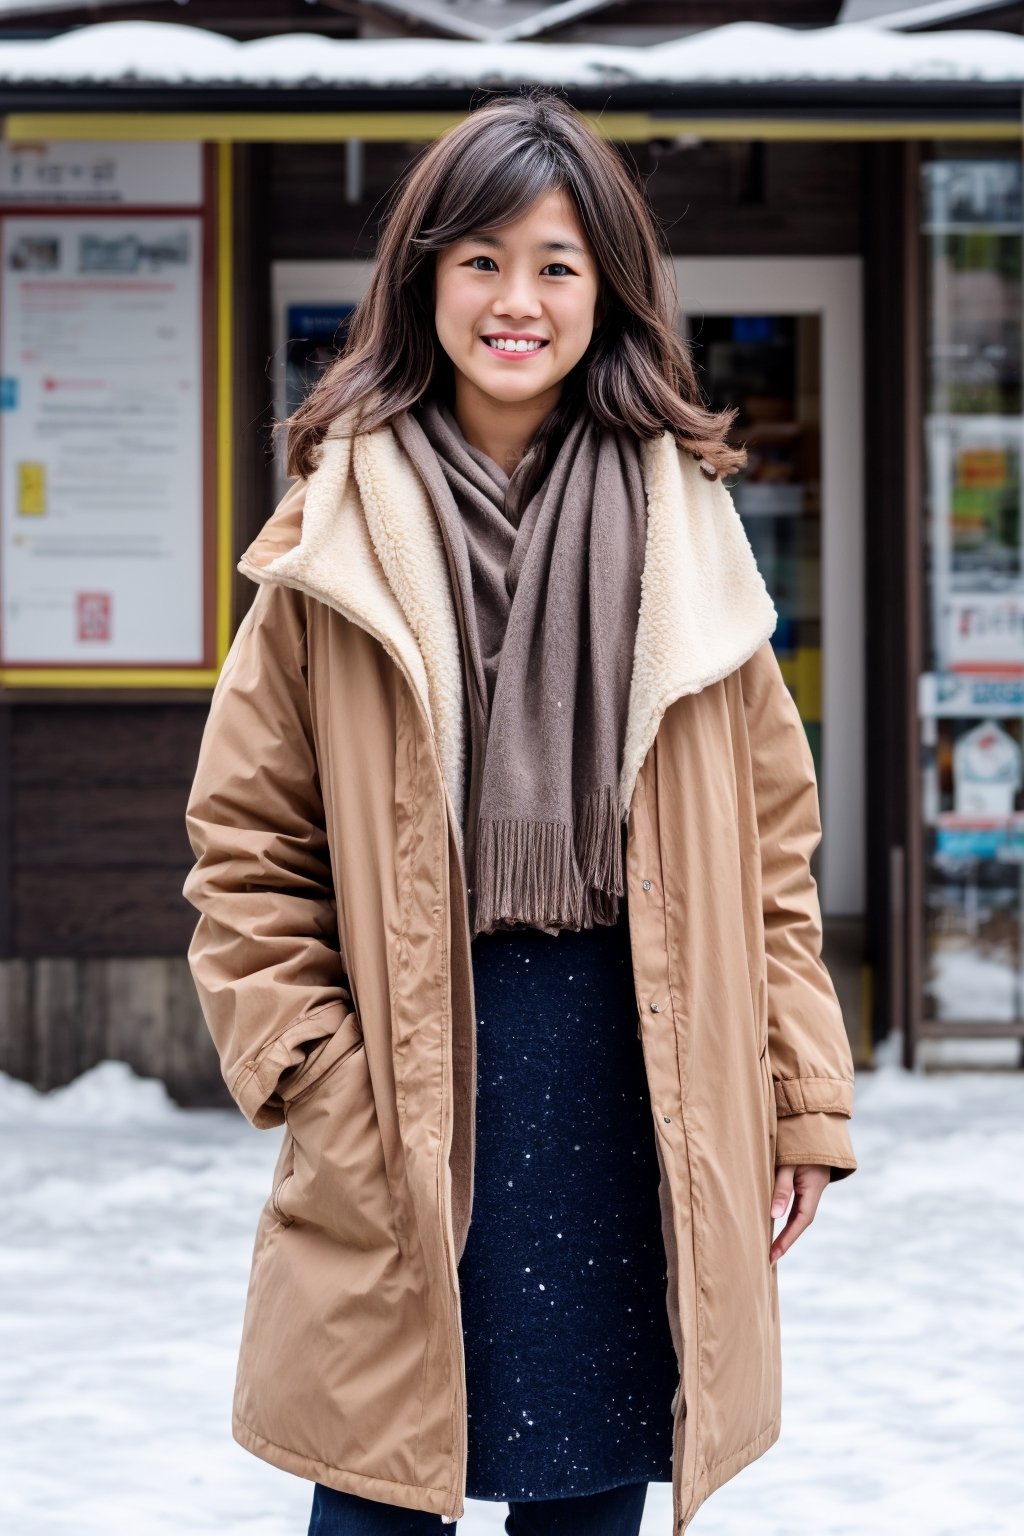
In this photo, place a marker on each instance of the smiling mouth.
(509, 348)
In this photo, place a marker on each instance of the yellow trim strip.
(225, 412)
(101, 677)
(385, 127)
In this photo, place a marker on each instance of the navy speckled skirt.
(570, 1367)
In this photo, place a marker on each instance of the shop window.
(971, 696)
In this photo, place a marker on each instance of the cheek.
(444, 308)
(454, 307)
(576, 322)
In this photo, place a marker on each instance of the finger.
(800, 1218)
(783, 1189)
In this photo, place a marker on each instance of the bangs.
(497, 178)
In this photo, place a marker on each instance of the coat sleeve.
(811, 1061)
(265, 956)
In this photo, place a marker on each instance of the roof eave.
(824, 99)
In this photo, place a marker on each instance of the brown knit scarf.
(547, 612)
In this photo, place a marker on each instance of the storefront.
(968, 858)
(179, 258)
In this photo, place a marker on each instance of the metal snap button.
(655, 1008)
(647, 885)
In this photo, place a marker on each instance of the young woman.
(502, 822)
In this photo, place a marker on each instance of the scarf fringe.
(550, 875)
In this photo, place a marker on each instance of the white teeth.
(500, 344)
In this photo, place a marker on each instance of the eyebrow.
(543, 245)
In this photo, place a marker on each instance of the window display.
(971, 697)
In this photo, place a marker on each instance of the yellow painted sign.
(31, 488)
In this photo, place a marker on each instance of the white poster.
(987, 764)
(984, 631)
(101, 463)
(89, 173)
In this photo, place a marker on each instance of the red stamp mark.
(92, 615)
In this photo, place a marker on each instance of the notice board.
(109, 493)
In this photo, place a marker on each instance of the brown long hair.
(637, 372)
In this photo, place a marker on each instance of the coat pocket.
(326, 1055)
(335, 1176)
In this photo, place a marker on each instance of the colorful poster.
(101, 440)
(985, 511)
(977, 543)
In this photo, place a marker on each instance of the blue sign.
(957, 845)
(953, 695)
(756, 328)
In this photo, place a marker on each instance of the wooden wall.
(97, 927)
(756, 198)
(98, 839)
(729, 199)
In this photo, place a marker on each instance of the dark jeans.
(616, 1512)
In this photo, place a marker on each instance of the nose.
(518, 299)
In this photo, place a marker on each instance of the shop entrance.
(781, 339)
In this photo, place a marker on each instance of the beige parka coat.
(332, 960)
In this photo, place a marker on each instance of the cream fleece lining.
(370, 545)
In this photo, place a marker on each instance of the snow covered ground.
(124, 1261)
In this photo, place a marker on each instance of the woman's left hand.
(807, 1180)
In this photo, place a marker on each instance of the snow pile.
(127, 1239)
(167, 54)
(108, 1094)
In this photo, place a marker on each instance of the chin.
(515, 389)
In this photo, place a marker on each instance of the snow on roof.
(477, 19)
(917, 13)
(149, 53)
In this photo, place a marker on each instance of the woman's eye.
(481, 258)
(561, 264)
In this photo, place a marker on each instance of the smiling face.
(514, 308)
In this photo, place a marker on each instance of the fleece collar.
(368, 543)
